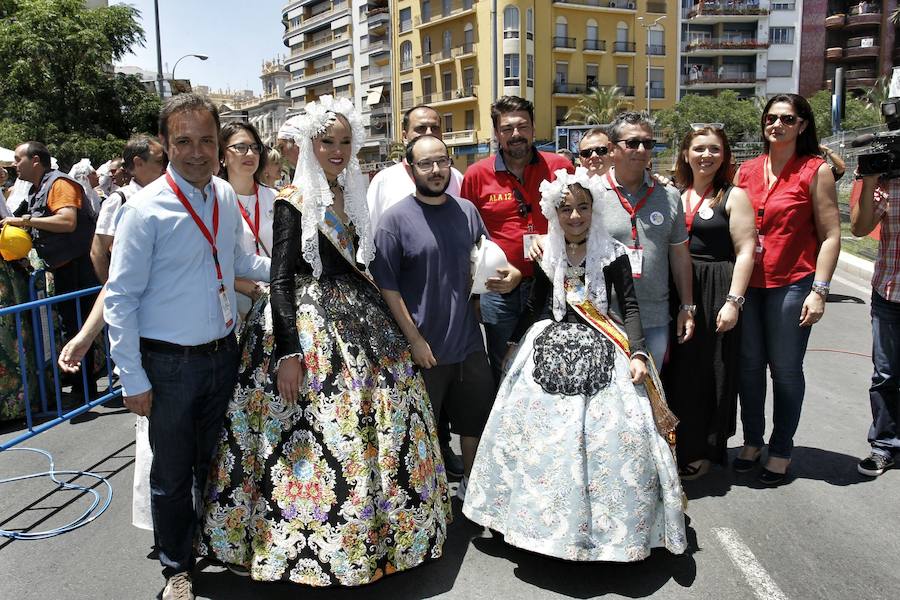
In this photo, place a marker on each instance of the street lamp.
(647, 29)
(200, 56)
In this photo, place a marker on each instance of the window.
(406, 55)
(592, 32)
(562, 73)
(529, 70)
(621, 32)
(590, 76)
(529, 24)
(561, 112)
(510, 22)
(622, 77)
(426, 49)
(781, 35)
(468, 39)
(510, 69)
(656, 41)
(448, 123)
(427, 88)
(406, 95)
(405, 19)
(470, 120)
(781, 68)
(657, 83)
(448, 43)
(426, 11)
(469, 78)
(447, 83)
(562, 27)
(446, 7)
(784, 6)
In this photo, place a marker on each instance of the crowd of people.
(299, 355)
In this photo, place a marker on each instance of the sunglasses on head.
(699, 126)
(599, 151)
(523, 207)
(635, 143)
(785, 119)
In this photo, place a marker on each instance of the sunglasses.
(788, 120)
(699, 126)
(599, 151)
(244, 148)
(635, 143)
(523, 207)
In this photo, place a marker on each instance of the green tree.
(739, 116)
(58, 84)
(858, 113)
(599, 106)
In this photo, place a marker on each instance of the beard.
(520, 150)
(428, 190)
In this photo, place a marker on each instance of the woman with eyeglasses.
(244, 158)
(798, 239)
(701, 375)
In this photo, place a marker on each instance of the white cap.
(487, 257)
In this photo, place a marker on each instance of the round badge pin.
(656, 218)
(706, 213)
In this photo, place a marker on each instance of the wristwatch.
(690, 309)
(821, 288)
(26, 218)
(736, 300)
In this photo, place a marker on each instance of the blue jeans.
(190, 397)
(772, 336)
(657, 341)
(884, 394)
(500, 313)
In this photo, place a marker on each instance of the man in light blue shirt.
(170, 309)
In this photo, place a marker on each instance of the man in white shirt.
(170, 306)
(391, 185)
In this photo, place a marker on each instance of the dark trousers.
(77, 274)
(884, 394)
(190, 397)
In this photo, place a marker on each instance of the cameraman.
(879, 202)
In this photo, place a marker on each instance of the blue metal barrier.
(36, 307)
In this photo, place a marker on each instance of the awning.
(375, 95)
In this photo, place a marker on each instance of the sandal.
(694, 470)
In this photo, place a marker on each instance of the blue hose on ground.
(86, 517)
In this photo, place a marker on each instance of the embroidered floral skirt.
(570, 463)
(345, 486)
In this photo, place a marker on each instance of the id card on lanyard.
(635, 249)
(759, 206)
(227, 314)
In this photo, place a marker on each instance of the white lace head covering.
(80, 173)
(602, 249)
(312, 185)
(290, 130)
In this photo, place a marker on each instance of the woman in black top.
(701, 375)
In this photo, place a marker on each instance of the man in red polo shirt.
(504, 189)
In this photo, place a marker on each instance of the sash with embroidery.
(666, 421)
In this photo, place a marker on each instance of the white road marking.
(855, 286)
(763, 586)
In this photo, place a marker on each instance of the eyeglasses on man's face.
(242, 148)
(426, 164)
(599, 151)
(635, 143)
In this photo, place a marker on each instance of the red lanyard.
(632, 211)
(253, 228)
(692, 212)
(197, 221)
(760, 205)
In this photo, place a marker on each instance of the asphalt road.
(830, 533)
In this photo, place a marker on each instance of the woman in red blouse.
(798, 242)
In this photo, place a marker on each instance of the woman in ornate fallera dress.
(342, 482)
(573, 463)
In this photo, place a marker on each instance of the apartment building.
(458, 56)
(342, 48)
(268, 111)
(750, 46)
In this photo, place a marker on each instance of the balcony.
(710, 79)
(320, 43)
(564, 43)
(834, 54)
(594, 45)
(835, 21)
(448, 96)
(656, 50)
(619, 6)
(718, 12)
(379, 45)
(424, 60)
(569, 89)
(378, 19)
(457, 8)
(447, 54)
(407, 100)
(656, 7)
(860, 78)
(857, 20)
(724, 45)
(310, 21)
(459, 138)
(624, 47)
(316, 75)
(626, 90)
(375, 74)
(866, 47)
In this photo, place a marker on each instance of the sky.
(237, 35)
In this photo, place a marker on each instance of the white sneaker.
(461, 490)
(178, 587)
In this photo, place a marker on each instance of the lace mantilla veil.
(313, 195)
(602, 249)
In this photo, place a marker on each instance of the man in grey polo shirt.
(649, 219)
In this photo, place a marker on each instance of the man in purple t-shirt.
(422, 266)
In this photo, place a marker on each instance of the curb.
(855, 266)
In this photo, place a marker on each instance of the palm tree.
(895, 16)
(879, 92)
(600, 105)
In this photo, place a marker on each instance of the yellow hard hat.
(15, 243)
